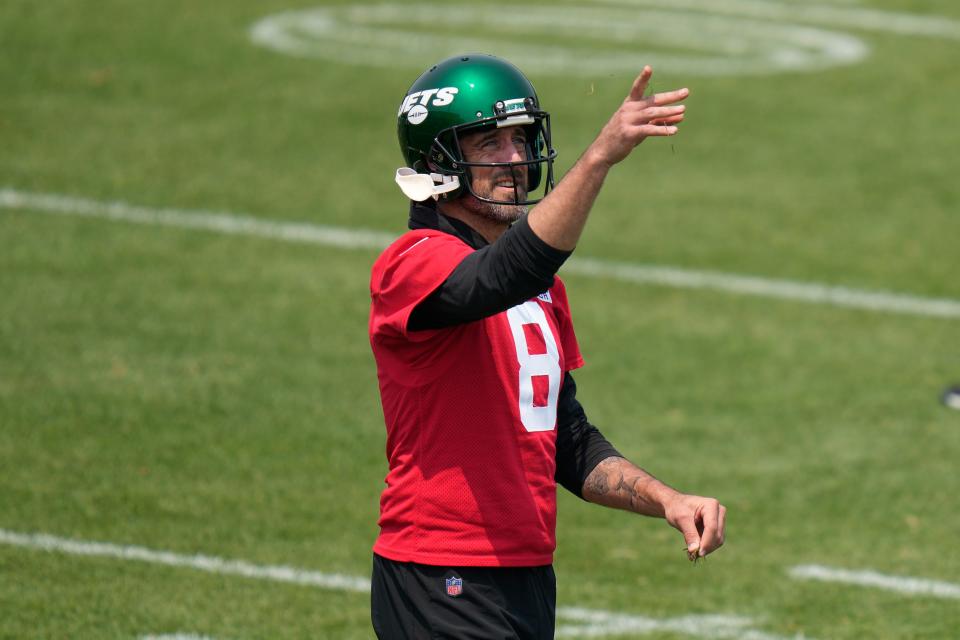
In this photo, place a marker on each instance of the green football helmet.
(462, 95)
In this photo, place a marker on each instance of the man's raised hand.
(638, 118)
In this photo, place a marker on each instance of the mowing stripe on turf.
(899, 584)
(580, 622)
(346, 238)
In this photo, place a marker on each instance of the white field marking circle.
(177, 636)
(866, 578)
(346, 238)
(584, 41)
(856, 18)
(584, 623)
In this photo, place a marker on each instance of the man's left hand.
(702, 521)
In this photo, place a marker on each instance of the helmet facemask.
(447, 157)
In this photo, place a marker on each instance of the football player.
(474, 343)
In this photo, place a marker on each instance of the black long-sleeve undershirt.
(580, 445)
(495, 277)
(492, 279)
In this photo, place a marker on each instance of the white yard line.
(586, 623)
(347, 238)
(220, 222)
(578, 622)
(209, 564)
(865, 578)
(810, 292)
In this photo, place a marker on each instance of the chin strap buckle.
(421, 186)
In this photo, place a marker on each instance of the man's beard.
(507, 213)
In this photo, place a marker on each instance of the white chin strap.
(421, 186)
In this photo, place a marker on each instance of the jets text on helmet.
(441, 97)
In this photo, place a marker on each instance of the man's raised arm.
(559, 219)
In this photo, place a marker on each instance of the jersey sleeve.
(406, 273)
(568, 339)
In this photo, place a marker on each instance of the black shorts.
(414, 601)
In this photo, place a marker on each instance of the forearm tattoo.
(616, 482)
(596, 482)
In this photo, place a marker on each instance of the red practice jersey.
(471, 413)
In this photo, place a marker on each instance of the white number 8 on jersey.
(541, 416)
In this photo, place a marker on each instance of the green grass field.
(197, 392)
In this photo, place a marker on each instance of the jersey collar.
(424, 217)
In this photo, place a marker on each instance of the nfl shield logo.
(454, 586)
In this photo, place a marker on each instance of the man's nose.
(518, 153)
(510, 153)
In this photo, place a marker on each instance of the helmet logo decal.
(511, 106)
(441, 98)
(517, 104)
(417, 114)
